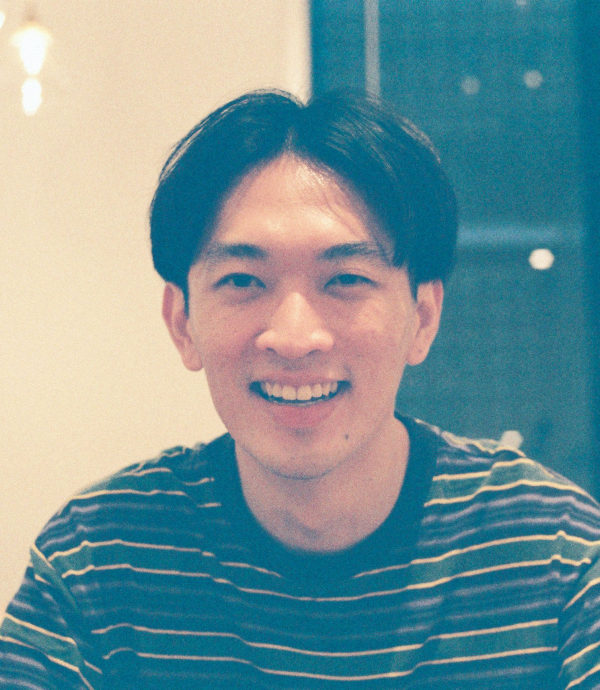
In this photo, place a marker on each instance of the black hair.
(385, 160)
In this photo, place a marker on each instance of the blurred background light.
(32, 41)
(470, 85)
(541, 259)
(2, 18)
(32, 96)
(533, 79)
(511, 438)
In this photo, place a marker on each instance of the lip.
(303, 415)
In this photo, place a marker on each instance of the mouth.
(300, 395)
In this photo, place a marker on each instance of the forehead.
(290, 202)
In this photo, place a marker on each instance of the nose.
(295, 329)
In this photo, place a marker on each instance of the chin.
(297, 468)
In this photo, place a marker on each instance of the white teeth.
(304, 393)
(288, 393)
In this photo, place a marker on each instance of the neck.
(333, 511)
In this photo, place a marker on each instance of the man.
(326, 541)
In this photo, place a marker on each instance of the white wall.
(89, 379)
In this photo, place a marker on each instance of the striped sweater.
(485, 575)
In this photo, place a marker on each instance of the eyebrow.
(221, 251)
(349, 250)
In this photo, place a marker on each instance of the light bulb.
(32, 96)
(32, 40)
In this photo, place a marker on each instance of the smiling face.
(301, 323)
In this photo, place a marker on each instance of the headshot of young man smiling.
(328, 539)
(311, 326)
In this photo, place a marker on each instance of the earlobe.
(177, 322)
(430, 297)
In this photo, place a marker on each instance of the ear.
(430, 297)
(176, 319)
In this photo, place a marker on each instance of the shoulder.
(136, 504)
(479, 477)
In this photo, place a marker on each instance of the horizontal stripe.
(189, 593)
(264, 645)
(486, 473)
(357, 597)
(231, 564)
(121, 542)
(146, 471)
(308, 652)
(484, 545)
(132, 492)
(319, 676)
(505, 487)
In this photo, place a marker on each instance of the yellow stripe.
(232, 564)
(121, 542)
(161, 547)
(585, 650)
(140, 472)
(262, 645)
(464, 442)
(320, 676)
(504, 487)
(25, 624)
(204, 480)
(60, 662)
(492, 569)
(486, 473)
(367, 595)
(35, 550)
(591, 583)
(500, 629)
(477, 547)
(481, 657)
(109, 492)
(54, 659)
(39, 578)
(583, 677)
(307, 652)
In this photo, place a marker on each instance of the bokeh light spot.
(533, 79)
(541, 259)
(470, 85)
(32, 96)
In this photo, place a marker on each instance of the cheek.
(381, 326)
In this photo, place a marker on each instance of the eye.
(240, 281)
(349, 280)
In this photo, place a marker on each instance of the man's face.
(301, 323)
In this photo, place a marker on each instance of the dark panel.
(511, 356)
(497, 86)
(461, 71)
(589, 27)
(337, 45)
